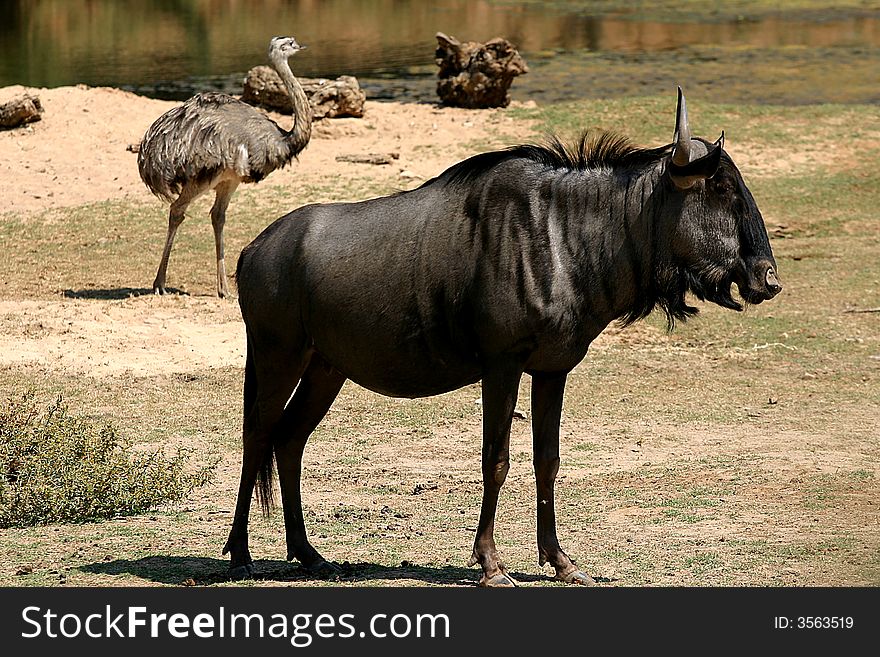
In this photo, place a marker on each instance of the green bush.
(56, 467)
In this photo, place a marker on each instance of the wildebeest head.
(719, 236)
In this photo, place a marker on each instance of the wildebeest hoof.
(241, 572)
(499, 581)
(577, 577)
(323, 569)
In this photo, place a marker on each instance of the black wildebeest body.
(510, 262)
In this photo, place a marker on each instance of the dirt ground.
(751, 493)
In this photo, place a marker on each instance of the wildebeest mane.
(594, 150)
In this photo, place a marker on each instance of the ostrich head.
(280, 48)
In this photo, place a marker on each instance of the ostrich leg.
(175, 218)
(224, 193)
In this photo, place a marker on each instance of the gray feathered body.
(209, 136)
(214, 142)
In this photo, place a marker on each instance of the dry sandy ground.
(77, 154)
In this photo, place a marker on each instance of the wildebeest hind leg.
(547, 393)
(313, 397)
(500, 389)
(267, 387)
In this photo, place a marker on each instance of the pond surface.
(745, 50)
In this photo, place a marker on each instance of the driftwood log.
(328, 98)
(20, 110)
(476, 75)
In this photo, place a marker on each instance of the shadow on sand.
(204, 571)
(117, 293)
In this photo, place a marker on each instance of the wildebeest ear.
(686, 176)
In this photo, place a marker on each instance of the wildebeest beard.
(675, 281)
(716, 290)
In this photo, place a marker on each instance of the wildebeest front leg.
(547, 394)
(313, 397)
(500, 389)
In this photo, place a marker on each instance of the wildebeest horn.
(681, 154)
(692, 160)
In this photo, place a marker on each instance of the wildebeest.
(509, 262)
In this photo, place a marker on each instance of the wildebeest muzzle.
(757, 280)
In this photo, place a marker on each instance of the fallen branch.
(862, 310)
(370, 158)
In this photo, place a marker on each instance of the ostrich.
(215, 141)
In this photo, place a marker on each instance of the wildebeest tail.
(266, 474)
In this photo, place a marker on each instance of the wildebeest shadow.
(204, 571)
(116, 293)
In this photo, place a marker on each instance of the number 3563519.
(825, 622)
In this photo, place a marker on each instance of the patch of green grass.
(701, 563)
(818, 548)
(360, 408)
(649, 121)
(585, 446)
(627, 494)
(826, 203)
(860, 476)
(643, 120)
(691, 505)
(681, 515)
(825, 491)
(806, 561)
(697, 498)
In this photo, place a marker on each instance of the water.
(172, 48)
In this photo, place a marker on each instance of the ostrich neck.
(301, 131)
